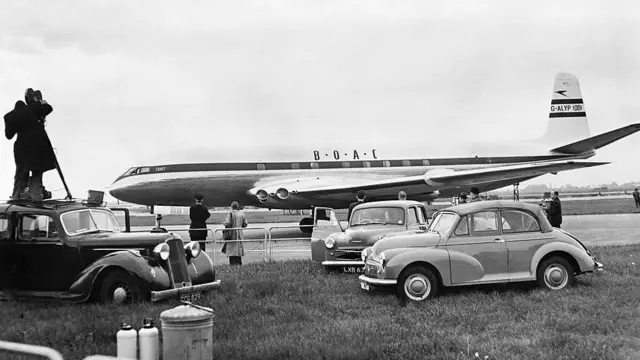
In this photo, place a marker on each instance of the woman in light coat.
(235, 250)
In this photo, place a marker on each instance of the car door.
(415, 219)
(523, 236)
(10, 260)
(482, 241)
(50, 265)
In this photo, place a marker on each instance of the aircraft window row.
(317, 165)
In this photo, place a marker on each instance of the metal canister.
(127, 342)
(149, 343)
(187, 333)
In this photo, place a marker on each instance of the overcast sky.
(129, 80)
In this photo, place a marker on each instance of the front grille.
(178, 264)
(348, 255)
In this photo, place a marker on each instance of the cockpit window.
(131, 171)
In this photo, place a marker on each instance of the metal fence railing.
(19, 351)
(27, 351)
(261, 243)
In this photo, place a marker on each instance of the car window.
(422, 215)
(463, 227)
(5, 232)
(484, 221)
(413, 217)
(37, 227)
(378, 215)
(515, 221)
(442, 223)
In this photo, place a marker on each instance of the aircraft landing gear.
(306, 229)
(307, 221)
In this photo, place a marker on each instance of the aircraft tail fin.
(567, 114)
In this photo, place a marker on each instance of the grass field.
(569, 207)
(293, 310)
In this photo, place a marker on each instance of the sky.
(133, 80)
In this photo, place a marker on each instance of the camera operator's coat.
(32, 149)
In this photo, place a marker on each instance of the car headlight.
(192, 249)
(364, 254)
(383, 259)
(329, 242)
(162, 251)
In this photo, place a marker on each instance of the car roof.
(398, 203)
(52, 205)
(463, 209)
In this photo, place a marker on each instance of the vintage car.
(77, 251)
(337, 248)
(485, 242)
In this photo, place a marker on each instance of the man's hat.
(199, 197)
(474, 190)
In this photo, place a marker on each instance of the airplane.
(328, 179)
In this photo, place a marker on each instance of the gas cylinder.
(149, 343)
(127, 340)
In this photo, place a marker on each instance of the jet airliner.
(327, 178)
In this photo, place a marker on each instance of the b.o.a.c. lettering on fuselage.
(335, 155)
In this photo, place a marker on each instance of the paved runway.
(288, 242)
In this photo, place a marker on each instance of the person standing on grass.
(636, 197)
(236, 220)
(554, 212)
(199, 214)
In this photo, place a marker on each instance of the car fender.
(201, 269)
(155, 276)
(399, 259)
(585, 262)
(318, 249)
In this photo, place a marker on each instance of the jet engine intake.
(282, 193)
(261, 195)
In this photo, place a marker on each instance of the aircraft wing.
(434, 178)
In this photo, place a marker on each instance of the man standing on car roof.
(32, 150)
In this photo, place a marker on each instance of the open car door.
(122, 217)
(325, 223)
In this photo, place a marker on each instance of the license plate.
(364, 286)
(190, 297)
(353, 269)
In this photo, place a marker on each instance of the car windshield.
(442, 223)
(89, 220)
(378, 215)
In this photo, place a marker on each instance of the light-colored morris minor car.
(336, 247)
(484, 242)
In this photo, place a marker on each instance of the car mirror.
(54, 234)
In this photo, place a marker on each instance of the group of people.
(235, 220)
(32, 150)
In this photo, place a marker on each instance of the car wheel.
(119, 287)
(555, 273)
(417, 284)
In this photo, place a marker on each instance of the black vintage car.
(77, 251)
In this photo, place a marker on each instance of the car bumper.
(343, 263)
(377, 282)
(598, 267)
(173, 293)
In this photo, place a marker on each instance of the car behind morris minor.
(76, 251)
(484, 242)
(334, 247)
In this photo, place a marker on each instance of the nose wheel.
(306, 225)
